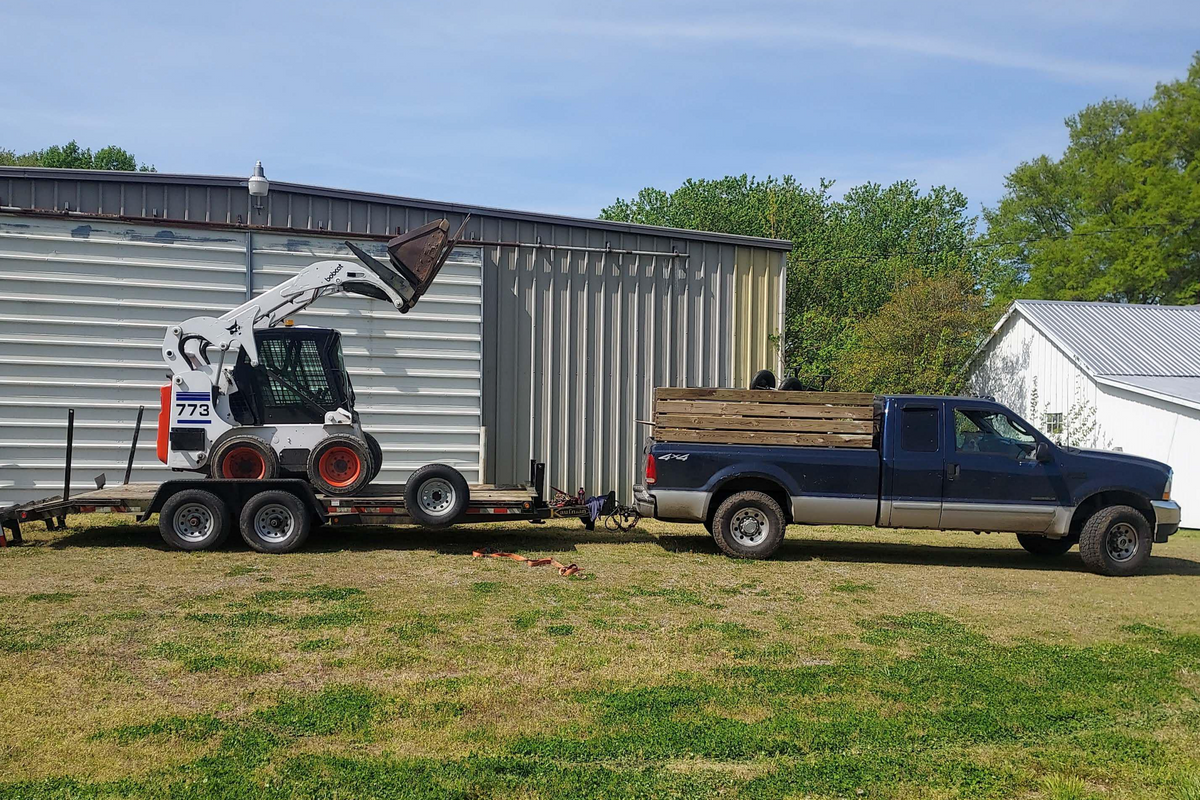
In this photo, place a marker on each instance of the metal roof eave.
(50, 173)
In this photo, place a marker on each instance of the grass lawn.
(388, 663)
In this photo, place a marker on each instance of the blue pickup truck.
(946, 463)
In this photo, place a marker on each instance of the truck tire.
(1044, 546)
(194, 520)
(275, 521)
(748, 525)
(436, 495)
(340, 465)
(376, 454)
(245, 457)
(1116, 541)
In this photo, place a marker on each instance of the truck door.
(994, 482)
(912, 492)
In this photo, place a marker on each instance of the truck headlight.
(1167, 488)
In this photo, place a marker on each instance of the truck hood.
(1114, 457)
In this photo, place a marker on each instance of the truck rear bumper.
(644, 501)
(1166, 518)
(677, 505)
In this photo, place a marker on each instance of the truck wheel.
(1044, 546)
(194, 520)
(1116, 541)
(340, 465)
(246, 457)
(748, 525)
(275, 521)
(436, 495)
(376, 454)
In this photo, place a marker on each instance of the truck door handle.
(952, 472)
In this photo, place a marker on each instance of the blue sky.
(562, 107)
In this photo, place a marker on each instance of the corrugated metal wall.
(576, 341)
(573, 340)
(84, 305)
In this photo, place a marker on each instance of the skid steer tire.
(436, 496)
(194, 520)
(275, 521)
(340, 465)
(376, 454)
(244, 457)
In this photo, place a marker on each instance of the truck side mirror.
(1041, 453)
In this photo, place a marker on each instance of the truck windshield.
(982, 431)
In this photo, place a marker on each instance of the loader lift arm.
(415, 259)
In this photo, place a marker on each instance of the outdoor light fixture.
(258, 185)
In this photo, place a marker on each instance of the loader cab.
(300, 376)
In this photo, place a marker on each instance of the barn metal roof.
(1121, 338)
(1149, 349)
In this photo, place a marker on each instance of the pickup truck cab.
(945, 463)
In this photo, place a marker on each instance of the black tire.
(194, 520)
(792, 384)
(748, 525)
(436, 495)
(1116, 541)
(245, 457)
(340, 465)
(763, 379)
(275, 521)
(376, 451)
(1044, 546)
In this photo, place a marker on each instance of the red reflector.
(651, 470)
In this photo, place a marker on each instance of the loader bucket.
(419, 254)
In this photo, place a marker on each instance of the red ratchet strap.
(566, 570)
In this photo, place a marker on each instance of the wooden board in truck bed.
(750, 416)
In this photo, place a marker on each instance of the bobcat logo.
(335, 271)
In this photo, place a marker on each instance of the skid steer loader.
(252, 396)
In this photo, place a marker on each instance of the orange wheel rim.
(244, 462)
(339, 466)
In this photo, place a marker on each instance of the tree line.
(891, 289)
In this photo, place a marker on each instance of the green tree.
(918, 341)
(1117, 216)
(72, 156)
(849, 256)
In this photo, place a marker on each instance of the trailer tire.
(340, 465)
(748, 525)
(1116, 541)
(244, 457)
(194, 520)
(275, 521)
(1044, 546)
(376, 451)
(436, 495)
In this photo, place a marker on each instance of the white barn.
(1106, 375)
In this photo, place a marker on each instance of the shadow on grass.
(565, 537)
(797, 548)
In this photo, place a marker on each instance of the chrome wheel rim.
(437, 497)
(1122, 542)
(193, 522)
(274, 523)
(749, 527)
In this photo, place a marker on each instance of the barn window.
(1052, 422)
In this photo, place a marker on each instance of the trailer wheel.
(275, 521)
(436, 495)
(748, 525)
(194, 520)
(340, 465)
(1044, 546)
(376, 454)
(1116, 541)
(244, 457)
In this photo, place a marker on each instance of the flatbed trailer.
(377, 504)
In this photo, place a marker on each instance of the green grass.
(390, 664)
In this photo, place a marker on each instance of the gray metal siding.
(84, 306)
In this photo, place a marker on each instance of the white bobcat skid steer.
(251, 400)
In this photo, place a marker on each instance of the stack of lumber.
(747, 416)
